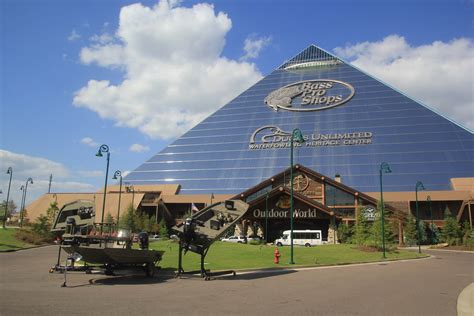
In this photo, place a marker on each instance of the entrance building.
(319, 203)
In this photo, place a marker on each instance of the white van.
(305, 238)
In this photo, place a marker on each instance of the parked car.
(236, 239)
(154, 237)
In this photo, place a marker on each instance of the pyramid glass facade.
(351, 122)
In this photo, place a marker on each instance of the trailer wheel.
(307, 245)
(150, 269)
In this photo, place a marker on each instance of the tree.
(409, 231)
(451, 231)
(433, 233)
(42, 226)
(422, 232)
(145, 222)
(361, 231)
(467, 234)
(375, 239)
(4, 211)
(344, 233)
(163, 229)
(109, 219)
(154, 227)
(129, 220)
(51, 212)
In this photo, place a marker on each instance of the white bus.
(305, 238)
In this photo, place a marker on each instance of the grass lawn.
(9, 242)
(224, 256)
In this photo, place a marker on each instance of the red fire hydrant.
(276, 257)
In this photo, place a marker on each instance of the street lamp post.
(10, 172)
(428, 198)
(104, 149)
(266, 217)
(117, 174)
(22, 188)
(384, 168)
(29, 180)
(297, 136)
(419, 186)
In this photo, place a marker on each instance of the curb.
(451, 250)
(341, 265)
(465, 301)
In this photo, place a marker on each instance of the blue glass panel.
(419, 144)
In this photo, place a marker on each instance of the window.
(335, 196)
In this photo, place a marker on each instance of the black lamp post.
(118, 174)
(428, 198)
(104, 149)
(22, 188)
(266, 217)
(384, 168)
(29, 180)
(297, 136)
(419, 186)
(10, 172)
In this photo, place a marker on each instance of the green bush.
(451, 232)
(344, 233)
(409, 232)
(32, 237)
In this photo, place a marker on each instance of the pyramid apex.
(311, 56)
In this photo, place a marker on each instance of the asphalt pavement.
(414, 287)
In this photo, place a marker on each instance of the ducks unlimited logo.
(273, 137)
(312, 95)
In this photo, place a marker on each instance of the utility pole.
(50, 179)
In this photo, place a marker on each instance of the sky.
(136, 75)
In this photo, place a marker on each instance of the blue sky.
(76, 74)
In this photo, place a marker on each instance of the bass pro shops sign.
(311, 95)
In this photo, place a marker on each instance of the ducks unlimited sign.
(273, 137)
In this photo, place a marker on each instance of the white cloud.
(174, 74)
(39, 169)
(73, 36)
(103, 38)
(137, 148)
(253, 46)
(89, 142)
(439, 74)
(90, 173)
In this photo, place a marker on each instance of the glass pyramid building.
(351, 122)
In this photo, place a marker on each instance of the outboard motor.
(70, 226)
(143, 240)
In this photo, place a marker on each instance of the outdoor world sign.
(311, 95)
(273, 137)
(297, 213)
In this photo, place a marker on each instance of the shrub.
(451, 231)
(31, 237)
(409, 232)
(344, 233)
(163, 229)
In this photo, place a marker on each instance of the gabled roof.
(321, 177)
(298, 196)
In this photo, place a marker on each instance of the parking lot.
(417, 287)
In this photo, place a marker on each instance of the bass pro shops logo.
(312, 95)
